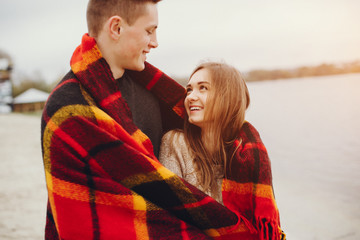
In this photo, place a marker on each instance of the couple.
(102, 128)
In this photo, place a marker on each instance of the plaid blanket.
(247, 189)
(103, 179)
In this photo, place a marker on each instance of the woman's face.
(197, 90)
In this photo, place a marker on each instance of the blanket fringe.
(269, 230)
(247, 223)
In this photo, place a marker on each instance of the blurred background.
(301, 60)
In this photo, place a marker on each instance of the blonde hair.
(229, 98)
(99, 11)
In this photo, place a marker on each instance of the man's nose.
(154, 43)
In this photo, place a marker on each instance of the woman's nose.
(192, 96)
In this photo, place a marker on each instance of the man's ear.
(115, 24)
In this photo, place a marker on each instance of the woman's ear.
(114, 26)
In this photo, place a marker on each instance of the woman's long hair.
(225, 108)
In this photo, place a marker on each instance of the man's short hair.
(99, 11)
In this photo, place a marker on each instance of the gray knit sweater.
(175, 156)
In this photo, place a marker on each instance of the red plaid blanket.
(104, 181)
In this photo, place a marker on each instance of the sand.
(23, 193)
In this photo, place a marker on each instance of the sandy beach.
(325, 209)
(23, 192)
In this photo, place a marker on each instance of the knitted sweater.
(175, 156)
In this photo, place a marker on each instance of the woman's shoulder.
(250, 139)
(174, 153)
(175, 136)
(173, 142)
(249, 133)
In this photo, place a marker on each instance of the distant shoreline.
(324, 69)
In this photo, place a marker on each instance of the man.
(124, 42)
(101, 130)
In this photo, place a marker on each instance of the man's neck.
(117, 73)
(109, 57)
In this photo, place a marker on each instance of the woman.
(222, 154)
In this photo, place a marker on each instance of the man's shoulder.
(67, 92)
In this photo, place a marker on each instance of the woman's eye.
(203, 88)
(188, 91)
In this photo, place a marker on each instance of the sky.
(41, 35)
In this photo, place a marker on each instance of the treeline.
(18, 88)
(319, 70)
(307, 71)
(25, 82)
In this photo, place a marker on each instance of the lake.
(311, 128)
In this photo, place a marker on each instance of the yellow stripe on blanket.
(212, 232)
(262, 190)
(81, 193)
(88, 58)
(165, 173)
(139, 203)
(139, 136)
(140, 223)
(63, 114)
(159, 174)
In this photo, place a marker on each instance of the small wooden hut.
(30, 101)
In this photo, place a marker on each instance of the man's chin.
(142, 67)
(138, 68)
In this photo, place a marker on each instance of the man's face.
(137, 40)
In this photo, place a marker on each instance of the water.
(311, 128)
